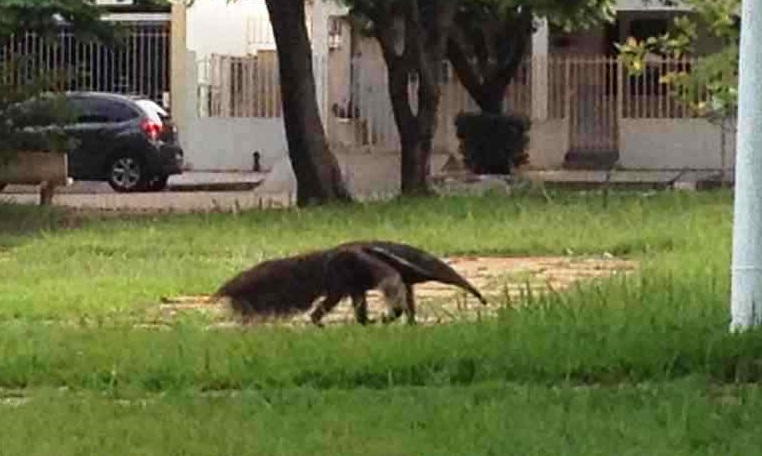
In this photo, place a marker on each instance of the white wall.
(239, 28)
(221, 27)
(243, 26)
(548, 144)
(225, 144)
(228, 144)
(672, 144)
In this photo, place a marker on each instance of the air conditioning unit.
(259, 34)
(334, 41)
(334, 32)
(115, 2)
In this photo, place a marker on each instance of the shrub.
(30, 103)
(493, 143)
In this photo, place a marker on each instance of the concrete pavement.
(369, 176)
(188, 181)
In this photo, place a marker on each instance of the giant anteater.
(291, 284)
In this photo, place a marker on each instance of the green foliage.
(108, 269)
(487, 39)
(45, 16)
(659, 327)
(567, 14)
(570, 14)
(710, 88)
(30, 104)
(493, 143)
(682, 418)
(642, 363)
(77, 319)
(564, 13)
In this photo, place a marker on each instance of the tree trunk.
(415, 48)
(415, 175)
(414, 155)
(317, 171)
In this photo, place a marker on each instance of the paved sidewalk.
(369, 176)
(584, 179)
(188, 181)
(215, 181)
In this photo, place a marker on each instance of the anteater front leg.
(395, 295)
(360, 305)
(354, 272)
(410, 309)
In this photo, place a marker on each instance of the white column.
(178, 83)
(318, 18)
(746, 286)
(540, 50)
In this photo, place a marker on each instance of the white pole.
(746, 286)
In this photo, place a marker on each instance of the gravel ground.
(438, 303)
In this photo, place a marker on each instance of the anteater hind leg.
(323, 307)
(243, 308)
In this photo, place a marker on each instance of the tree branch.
(486, 52)
(512, 56)
(398, 66)
(462, 58)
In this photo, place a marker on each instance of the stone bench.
(45, 169)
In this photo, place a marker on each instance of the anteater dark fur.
(292, 284)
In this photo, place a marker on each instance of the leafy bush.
(26, 104)
(44, 18)
(493, 143)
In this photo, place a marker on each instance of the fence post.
(622, 89)
(568, 97)
(567, 89)
(539, 87)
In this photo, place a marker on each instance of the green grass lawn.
(637, 365)
(676, 418)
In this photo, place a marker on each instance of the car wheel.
(2, 186)
(157, 183)
(126, 173)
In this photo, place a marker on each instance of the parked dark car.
(129, 142)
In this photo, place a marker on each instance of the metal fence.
(241, 86)
(600, 92)
(137, 64)
(647, 97)
(591, 93)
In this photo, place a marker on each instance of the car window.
(119, 111)
(97, 110)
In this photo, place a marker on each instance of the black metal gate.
(137, 64)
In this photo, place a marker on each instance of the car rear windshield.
(101, 110)
(153, 110)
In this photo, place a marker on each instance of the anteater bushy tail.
(420, 264)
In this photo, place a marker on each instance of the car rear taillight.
(151, 128)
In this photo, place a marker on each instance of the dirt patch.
(496, 277)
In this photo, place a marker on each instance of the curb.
(214, 187)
